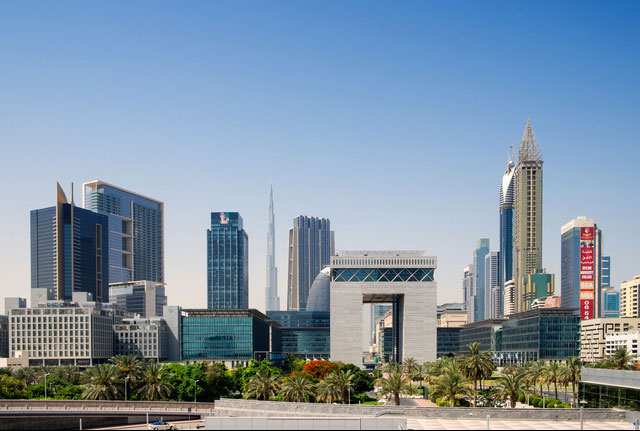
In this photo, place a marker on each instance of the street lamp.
(195, 391)
(45, 386)
(126, 381)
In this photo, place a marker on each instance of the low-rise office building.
(485, 332)
(627, 340)
(61, 333)
(603, 388)
(232, 336)
(548, 334)
(452, 319)
(146, 338)
(304, 333)
(448, 341)
(594, 332)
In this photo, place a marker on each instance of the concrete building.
(452, 319)
(144, 337)
(628, 340)
(404, 279)
(581, 270)
(509, 299)
(61, 333)
(69, 251)
(479, 280)
(594, 332)
(227, 262)
(527, 215)
(272, 300)
(14, 302)
(382, 346)
(629, 297)
(144, 298)
(492, 299)
(136, 231)
(311, 244)
(547, 302)
(468, 290)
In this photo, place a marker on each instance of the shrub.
(534, 401)
(521, 398)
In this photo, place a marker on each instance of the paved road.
(179, 425)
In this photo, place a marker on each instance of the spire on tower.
(529, 150)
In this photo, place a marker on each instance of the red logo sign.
(586, 309)
(586, 233)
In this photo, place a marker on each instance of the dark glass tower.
(68, 251)
(227, 262)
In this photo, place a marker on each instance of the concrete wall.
(263, 423)
(252, 408)
(621, 378)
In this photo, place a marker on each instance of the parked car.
(160, 425)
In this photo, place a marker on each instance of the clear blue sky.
(392, 119)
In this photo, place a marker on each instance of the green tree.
(411, 368)
(219, 381)
(452, 385)
(574, 368)
(508, 387)
(342, 381)
(103, 383)
(393, 384)
(362, 381)
(263, 385)
(130, 366)
(535, 374)
(183, 379)
(511, 369)
(69, 392)
(12, 388)
(326, 392)
(620, 360)
(475, 365)
(551, 374)
(298, 388)
(248, 373)
(153, 384)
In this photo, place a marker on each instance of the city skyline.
(410, 145)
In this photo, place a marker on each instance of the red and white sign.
(586, 273)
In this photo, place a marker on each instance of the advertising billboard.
(587, 273)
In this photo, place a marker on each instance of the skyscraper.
(507, 203)
(527, 214)
(227, 262)
(68, 251)
(136, 231)
(311, 244)
(272, 300)
(581, 260)
(492, 298)
(467, 288)
(479, 283)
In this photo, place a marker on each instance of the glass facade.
(136, 235)
(610, 302)
(448, 342)
(75, 260)
(608, 397)
(227, 262)
(220, 335)
(304, 333)
(376, 275)
(483, 332)
(546, 334)
(145, 298)
(478, 264)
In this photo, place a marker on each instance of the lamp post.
(126, 381)
(195, 391)
(45, 386)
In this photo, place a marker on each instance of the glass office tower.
(68, 251)
(507, 202)
(478, 264)
(311, 245)
(227, 262)
(136, 231)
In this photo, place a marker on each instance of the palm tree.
(535, 372)
(620, 359)
(476, 365)
(451, 385)
(342, 381)
(103, 383)
(511, 369)
(410, 366)
(509, 386)
(263, 386)
(130, 366)
(154, 384)
(298, 388)
(394, 384)
(574, 368)
(325, 392)
(564, 379)
(551, 374)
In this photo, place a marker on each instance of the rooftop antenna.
(512, 152)
(72, 194)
